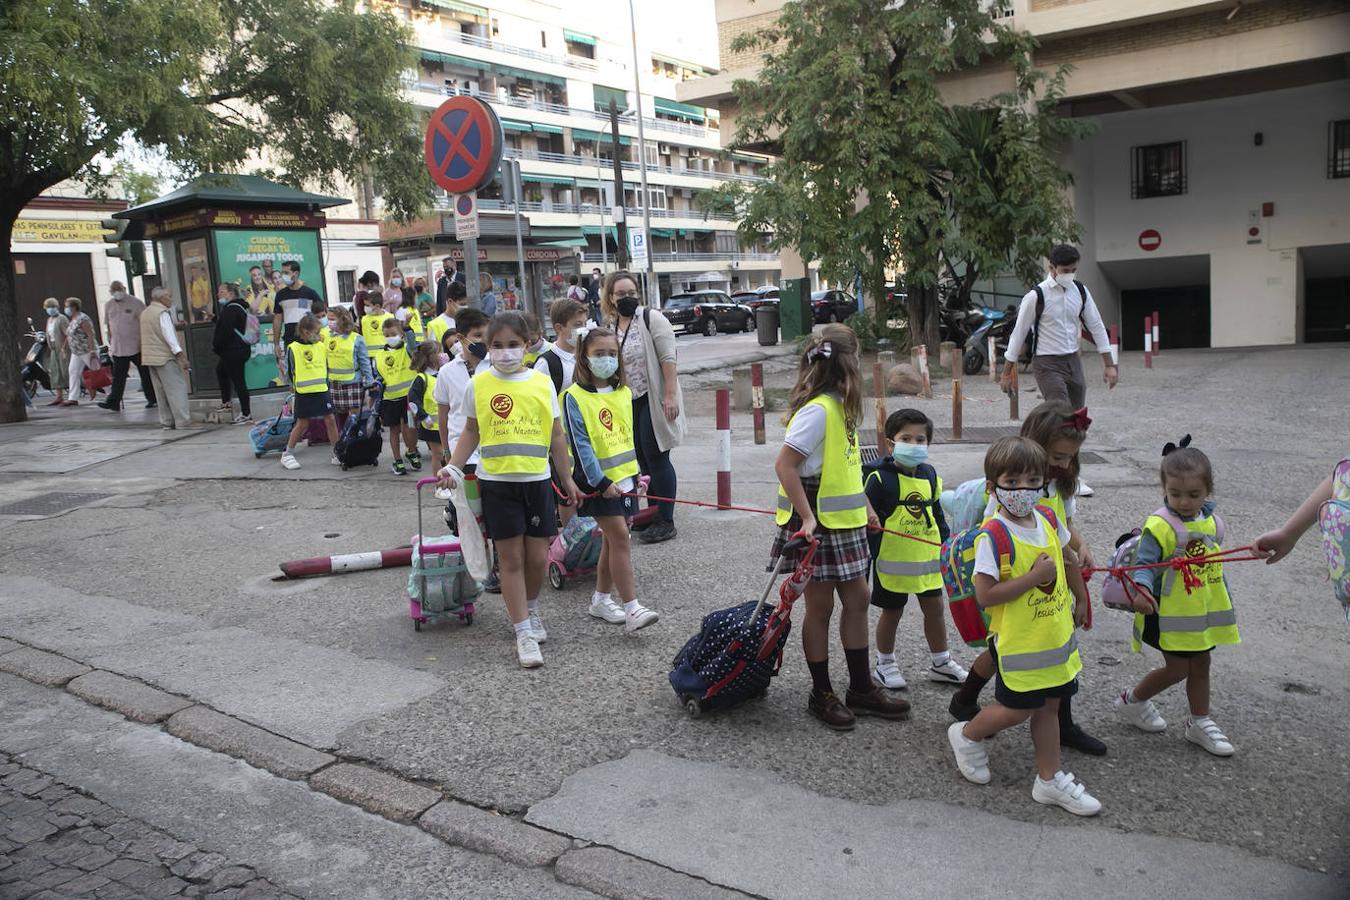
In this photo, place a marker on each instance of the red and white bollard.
(723, 447)
(1115, 344)
(923, 371)
(1155, 331)
(993, 359)
(347, 562)
(757, 399)
(1148, 342)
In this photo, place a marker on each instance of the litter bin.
(766, 324)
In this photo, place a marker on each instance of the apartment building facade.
(1216, 186)
(550, 75)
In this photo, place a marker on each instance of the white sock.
(941, 659)
(522, 627)
(885, 657)
(632, 606)
(597, 598)
(533, 606)
(1128, 696)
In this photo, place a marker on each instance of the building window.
(653, 153)
(1158, 170)
(657, 198)
(1338, 149)
(346, 284)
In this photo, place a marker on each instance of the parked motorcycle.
(997, 323)
(33, 370)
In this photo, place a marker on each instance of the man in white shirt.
(1068, 307)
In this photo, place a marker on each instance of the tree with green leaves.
(876, 170)
(302, 91)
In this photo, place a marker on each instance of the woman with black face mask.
(647, 345)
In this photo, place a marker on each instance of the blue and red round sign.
(463, 146)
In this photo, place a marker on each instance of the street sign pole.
(471, 273)
(650, 298)
(511, 171)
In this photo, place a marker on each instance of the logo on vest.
(914, 502)
(607, 419)
(502, 404)
(309, 355)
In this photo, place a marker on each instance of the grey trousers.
(1060, 379)
(171, 389)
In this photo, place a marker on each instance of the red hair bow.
(1079, 420)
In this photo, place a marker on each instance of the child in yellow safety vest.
(422, 400)
(820, 493)
(393, 367)
(904, 489)
(513, 420)
(1060, 430)
(1035, 598)
(598, 418)
(1174, 615)
(535, 345)
(308, 367)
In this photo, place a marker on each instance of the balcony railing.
(591, 210)
(474, 40)
(728, 256)
(562, 109)
(607, 167)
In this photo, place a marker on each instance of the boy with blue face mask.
(904, 490)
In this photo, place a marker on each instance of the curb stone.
(216, 731)
(130, 698)
(41, 667)
(477, 829)
(375, 791)
(613, 874)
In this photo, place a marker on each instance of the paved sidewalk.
(58, 842)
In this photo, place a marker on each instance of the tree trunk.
(11, 387)
(923, 318)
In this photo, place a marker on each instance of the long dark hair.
(1050, 422)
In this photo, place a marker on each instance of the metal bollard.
(1148, 342)
(956, 408)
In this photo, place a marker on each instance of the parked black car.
(832, 306)
(707, 312)
(757, 298)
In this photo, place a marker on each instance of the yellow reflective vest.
(414, 322)
(1203, 617)
(342, 358)
(1036, 644)
(840, 502)
(395, 370)
(372, 328)
(309, 367)
(906, 566)
(428, 403)
(609, 428)
(437, 328)
(515, 422)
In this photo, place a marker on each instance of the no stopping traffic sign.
(463, 146)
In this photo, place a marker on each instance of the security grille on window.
(1158, 170)
(1338, 149)
(657, 199)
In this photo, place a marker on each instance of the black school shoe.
(657, 532)
(1080, 740)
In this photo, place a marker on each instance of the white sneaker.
(608, 610)
(1142, 714)
(887, 674)
(971, 757)
(639, 618)
(950, 672)
(537, 628)
(288, 461)
(527, 651)
(242, 419)
(1064, 792)
(1204, 732)
(1085, 489)
(335, 461)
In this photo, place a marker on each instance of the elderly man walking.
(124, 344)
(163, 355)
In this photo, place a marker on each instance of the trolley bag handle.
(798, 541)
(425, 548)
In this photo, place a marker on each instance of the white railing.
(729, 256)
(473, 40)
(591, 210)
(607, 166)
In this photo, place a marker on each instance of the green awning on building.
(555, 233)
(513, 125)
(591, 183)
(595, 230)
(604, 94)
(684, 64)
(546, 129)
(581, 134)
(448, 59)
(548, 179)
(567, 242)
(663, 232)
(525, 73)
(684, 110)
(458, 6)
(750, 159)
(579, 38)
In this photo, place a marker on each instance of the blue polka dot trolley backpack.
(737, 650)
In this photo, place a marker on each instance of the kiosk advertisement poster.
(251, 258)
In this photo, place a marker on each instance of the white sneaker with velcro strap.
(1202, 730)
(1142, 714)
(887, 674)
(1063, 791)
(605, 608)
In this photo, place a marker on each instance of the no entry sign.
(463, 146)
(1149, 239)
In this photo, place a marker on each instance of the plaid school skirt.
(842, 554)
(348, 397)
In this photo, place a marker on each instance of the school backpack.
(1029, 352)
(1118, 592)
(581, 543)
(957, 561)
(555, 369)
(964, 505)
(252, 332)
(1333, 517)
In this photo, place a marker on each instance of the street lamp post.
(652, 287)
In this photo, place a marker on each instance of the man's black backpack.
(1029, 352)
(555, 369)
